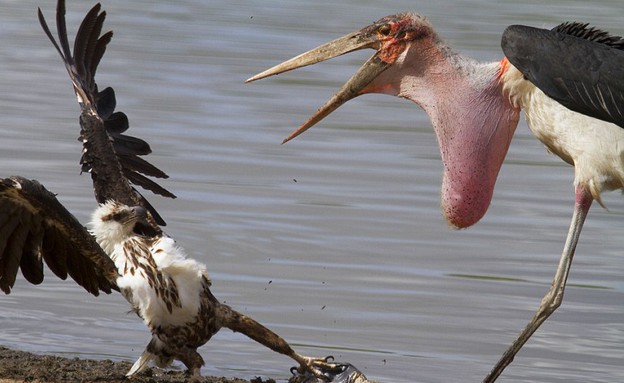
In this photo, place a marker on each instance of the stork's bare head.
(471, 116)
(389, 36)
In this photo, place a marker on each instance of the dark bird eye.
(117, 216)
(384, 29)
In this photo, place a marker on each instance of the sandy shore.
(19, 366)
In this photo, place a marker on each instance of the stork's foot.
(325, 370)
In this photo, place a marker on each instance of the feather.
(104, 147)
(35, 227)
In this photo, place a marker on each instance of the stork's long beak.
(353, 88)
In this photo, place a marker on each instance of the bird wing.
(35, 227)
(110, 156)
(578, 66)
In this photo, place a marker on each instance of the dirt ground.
(19, 367)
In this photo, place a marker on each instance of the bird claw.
(323, 370)
(314, 368)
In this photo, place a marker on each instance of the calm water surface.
(335, 240)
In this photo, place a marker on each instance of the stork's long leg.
(552, 300)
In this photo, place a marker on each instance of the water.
(334, 240)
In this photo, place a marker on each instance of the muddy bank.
(19, 366)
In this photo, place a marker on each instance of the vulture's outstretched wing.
(110, 156)
(35, 227)
(580, 67)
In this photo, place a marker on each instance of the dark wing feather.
(585, 32)
(578, 66)
(31, 265)
(35, 227)
(140, 165)
(107, 155)
(149, 184)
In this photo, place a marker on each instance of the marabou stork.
(474, 109)
(126, 249)
(572, 65)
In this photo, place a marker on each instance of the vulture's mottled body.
(126, 249)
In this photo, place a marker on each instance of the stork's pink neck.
(474, 126)
(473, 120)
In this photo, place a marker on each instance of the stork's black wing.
(579, 66)
(110, 156)
(35, 227)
